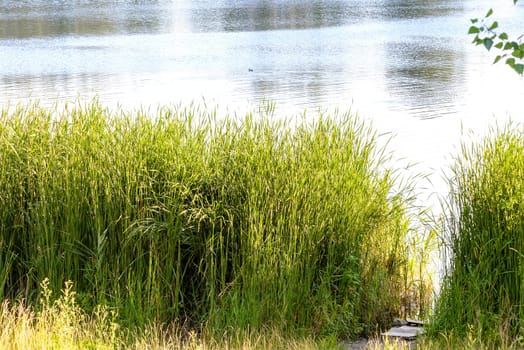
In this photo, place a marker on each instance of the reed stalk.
(483, 292)
(220, 222)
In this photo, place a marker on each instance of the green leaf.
(510, 61)
(518, 54)
(519, 68)
(477, 40)
(503, 36)
(473, 30)
(488, 43)
(499, 45)
(490, 12)
(494, 25)
(474, 20)
(507, 46)
(497, 59)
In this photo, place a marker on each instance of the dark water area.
(27, 19)
(409, 66)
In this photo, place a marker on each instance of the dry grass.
(61, 324)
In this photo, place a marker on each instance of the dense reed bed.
(483, 293)
(221, 223)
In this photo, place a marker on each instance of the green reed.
(218, 221)
(484, 287)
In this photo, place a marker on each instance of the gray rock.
(404, 332)
(414, 323)
(397, 322)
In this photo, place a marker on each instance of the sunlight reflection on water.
(408, 66)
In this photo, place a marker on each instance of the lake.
(409, 66)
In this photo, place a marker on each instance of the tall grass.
(219, 222)
(483, 292)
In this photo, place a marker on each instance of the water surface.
(407, 65)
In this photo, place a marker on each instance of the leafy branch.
(487, 34)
